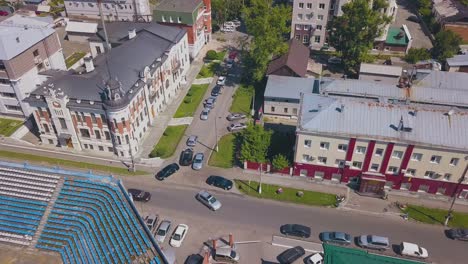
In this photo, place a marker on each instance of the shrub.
(211, 55)
(414, 55)
(280, 162)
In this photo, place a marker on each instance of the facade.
(293, 63)
(459, 63)
(28, 46)
(122, 10)
(415, 147)
(452, 15)
(108, 106)
(380, 73)
(192, 15)
(80, 31)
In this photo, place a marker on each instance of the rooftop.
(81, 27)
(396, 36)
(186, 6)
(18, 33)
(296, 59)
(450, 8)
(442, 80)
(414, 124)
(380, 69)
(458, 60)
(288, 87)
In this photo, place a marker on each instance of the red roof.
(295, 59)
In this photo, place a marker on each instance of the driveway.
(420, 39)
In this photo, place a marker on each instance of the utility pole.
(454, 194)
(253, 104)
(260, 183)
(216, 135)
(104, 25)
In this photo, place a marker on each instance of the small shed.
(80, 31)
(380, 73)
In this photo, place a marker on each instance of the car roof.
(134, 191)
(164, 224)
(379, 239)
(180, 228)
(205, 194)
(199, 154)
(193, 137)
(340, 235)
(223, 251)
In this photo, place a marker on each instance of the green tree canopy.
(255, 143)
(280, 162)
(353, 33)
(414, 55)
(447, 44)
(225, 10)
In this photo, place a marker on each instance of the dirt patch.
(17, 255)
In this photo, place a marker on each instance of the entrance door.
(423, 188)
(336, 177)
(463, 194)
(371, 186)
(69, 143)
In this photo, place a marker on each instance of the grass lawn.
(435, 216)
(208, 70)
(224, 158)
(9, 126)
(72, 59)
(168, 142)
(288, 195)
(191, 101)
(242, 100)
(67, 163)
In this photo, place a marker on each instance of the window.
(98, 134)
(447, 176)
(432, 175)
(319, 27)
(36, 53)
(322, 6)
(63, 124)
(170, 19)
(392, 169)
(416, 156)
(93, 118)
(454, 161)
(317, 39)
(78, 117)
(309, 5)
(374, 167)
(85, 146)
(163, 18)
(46, 128)
(13, 107)
(91, 147)
(299, 16)
(309, 16)
(306, 27)
(435, 159)
(307, 143)
(84, 132)
(272, 108)
(360, 150)
(324, 145)
(298, 37)
(320, 17)
(119, 140)
(127, 139)
(101, 148)
(306, 158)
(110, 149)
(397, 154)
(298, 27)
(411, 172)
(294, 111)
(123, 122)
(285, 110)
(322, 160)
(107, 134)
(357, 164)
(4, 81)
(98, 50)
(179, 20)
(342, 147)
(51, 141)
(8, 95)
(305, 39)
(340, 163)
(379, 152)
(103, 119)
(301, 5)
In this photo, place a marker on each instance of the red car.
(233, 55)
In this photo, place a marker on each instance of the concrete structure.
(113, 10)
(394, 39)
(28, 46)
(452, 15)
(380, 73)
(415, 147)
(107, 106)
(80, 31)
(459, 63)
(192, 15)
(293, 63)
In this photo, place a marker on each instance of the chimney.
(231, 241)
(206, 258)
(89, 65)
(131, 33)
(214, 243)
(342, 108)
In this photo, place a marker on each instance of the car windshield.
(161, 232)
(176, 237)
(211, 199)
(198, 159)
(233, 254)
(369, 239)
(420, 251)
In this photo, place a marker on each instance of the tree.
(224, 10)
(353, 33)
(280, 162)
(255, 143)
(414, 55)
(447, 44)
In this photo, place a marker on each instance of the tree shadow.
(237, 142)
(245, 186)
(426, 215)
(268, 262)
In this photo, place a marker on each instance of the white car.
(413, 250)
(221, 80)
(179, 235)
(236, 127)
(204, 114)
(316, 258)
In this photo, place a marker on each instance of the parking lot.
(420, 39)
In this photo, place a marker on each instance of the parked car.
(139, 195)
(151, 222)
(295, 230)
(210, 102)
(232, 55)
(335, 238)
(221, 80)
(162, 231)
(209, 200)
(167, 171)
(236, 127)
(229, 63)
(316, 258)
(414, 19)
(194, 259)
(192, 141)
(186, 157)
(216, 90)
(334, 60)
(219, 182)
(458, 233)
(228, 29)
(373, 242)
(236, 22)
(179, 235)
(197, 163)
(290, 255)
(235, 116)
(204, 114)
(226, 255)
(413, 250)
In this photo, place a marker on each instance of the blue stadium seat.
(51, 228)
(16, 231)
(16, 219)
(23, 211)
(21, 200)
(25, 216)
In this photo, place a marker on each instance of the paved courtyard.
(420, 39)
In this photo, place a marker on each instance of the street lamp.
(253, 104)
(260, 184)
(454, 194)
(216, 135)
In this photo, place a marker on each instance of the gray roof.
(458, 60)
(18, 33)
(380, 69)
(178, 5)
(288, 87)
(430, 126)
(442, 79)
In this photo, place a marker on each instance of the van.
(226, 255)
(413, 250)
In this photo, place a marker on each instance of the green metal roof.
(345, 255)
(393, 39)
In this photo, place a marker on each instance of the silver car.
(197, 163)
(236, 127)
(192, 141)
(209, 200)
(373, 242)
(162, 231)
(204, 114)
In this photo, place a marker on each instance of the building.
(414, 147)
(452, 15)
(80, 31)
(108, 106)
(28, 46)
(459, 63)
(293, 63)
(122, 10)
(380, 73)
(395, 39)
(192, 15)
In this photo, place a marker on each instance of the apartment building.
(107, 107)
(419, 148)
(192, 15)
(28, 46)
(113, 10)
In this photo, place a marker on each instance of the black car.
(413, 19)
(139, 195)
(167, 171)
(186, 157)
(295, 230)
(458, 233)
(216, 90)
(219, 182)
(290, 255)
(194, 259)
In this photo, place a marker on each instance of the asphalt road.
(253, 219)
